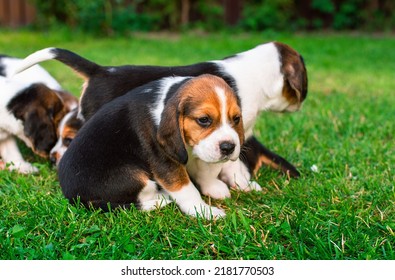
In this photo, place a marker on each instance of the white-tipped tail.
(33, 59)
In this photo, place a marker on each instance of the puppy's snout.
(227, 148)
(52, 158)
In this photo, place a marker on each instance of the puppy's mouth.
(223, 159)
(229, 157)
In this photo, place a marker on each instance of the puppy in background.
(35, 74)
(67, 130)
(139, 148)
(31, 106)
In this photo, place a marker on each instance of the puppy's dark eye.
(236, 119)
(67, 141)
(50, 113)
(204, 121)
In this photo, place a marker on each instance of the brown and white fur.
(32, 104)
(148, 146)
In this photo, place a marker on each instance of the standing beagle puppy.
(32, 104)
(139, 148)
(269, 77)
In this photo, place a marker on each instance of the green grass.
(346, 128)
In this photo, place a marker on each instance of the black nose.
(227, 148)
(52, 158)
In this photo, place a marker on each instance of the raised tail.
(79, 64)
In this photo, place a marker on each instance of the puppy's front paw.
(211, 212)
(216, 189)
(248, 186)
(22, 167)
(206, 211)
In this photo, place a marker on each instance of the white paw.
(235, 174)
(206, 211)
(216, 189)
(248, 186)
(22, 167)
(154, 204)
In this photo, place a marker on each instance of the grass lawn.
(344, 210)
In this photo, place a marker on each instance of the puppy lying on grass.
(139, 148)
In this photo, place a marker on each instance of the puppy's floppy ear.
(37, 96)
(41, 132)
(294, 71)
(40, 110)
(170, 132)
(295, 81)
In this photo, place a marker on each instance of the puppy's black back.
(111, 82)
(108, 157)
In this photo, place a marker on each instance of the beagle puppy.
(269, 77)
(35, 74)
(67, 130)
(139, 148)
(32, 104)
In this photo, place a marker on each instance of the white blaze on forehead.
(222, 101)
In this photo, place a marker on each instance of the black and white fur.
(30, 106)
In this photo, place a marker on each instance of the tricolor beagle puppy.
(32, 104)
(35, 74)
(67, 130)
(139, 148)
(269, 77)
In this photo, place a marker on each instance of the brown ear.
(294, 71)
(41, 110)
(69, 100)
(170, 133)
(37, 96)
(296, 80)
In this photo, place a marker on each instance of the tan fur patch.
(69, 132)
(51, 102)
(267, 161)
(175, 179)
(69, 100)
